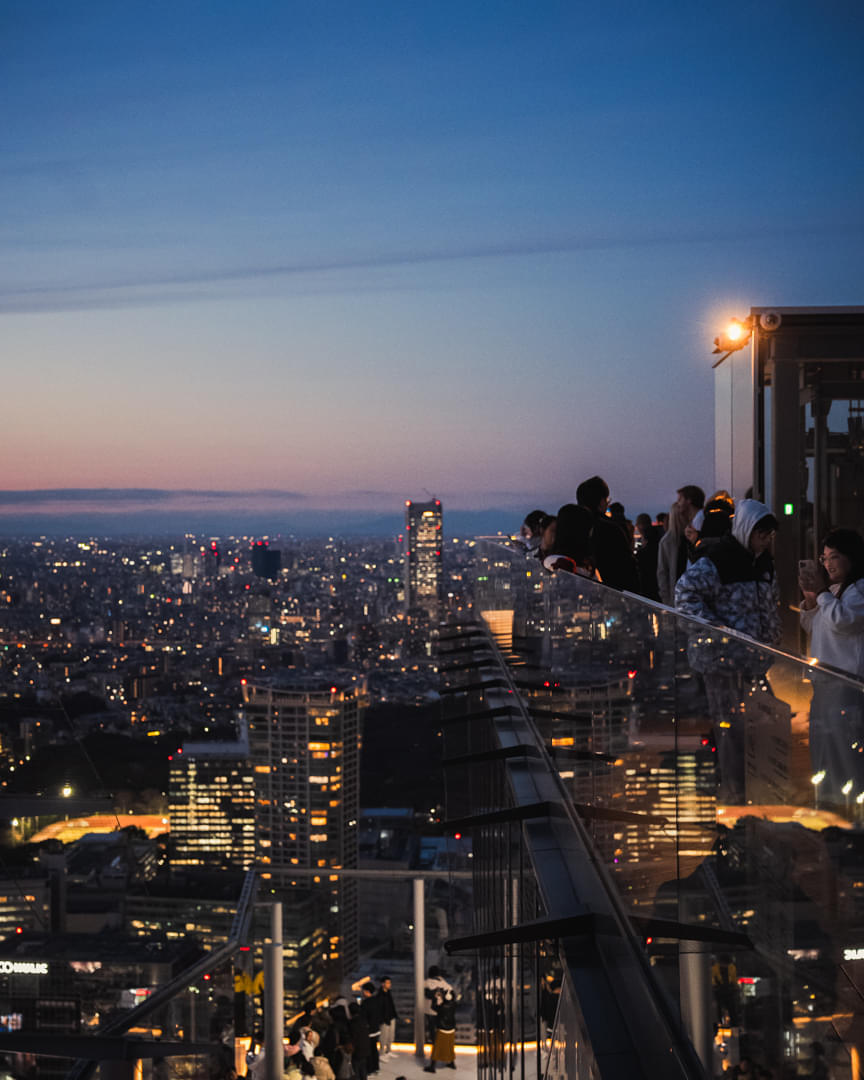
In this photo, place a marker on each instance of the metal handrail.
(237, 936)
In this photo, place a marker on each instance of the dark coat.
(388, 1007)
(358, 1032)
(445, 1015)
(372, 1010)
(613, 555)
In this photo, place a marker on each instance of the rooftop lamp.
(734, 337)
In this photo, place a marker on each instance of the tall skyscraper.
(304, 741)
(424, 537)
(211, 799)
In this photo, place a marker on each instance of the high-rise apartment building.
(304, 741)
(424, 537)
(211, 799)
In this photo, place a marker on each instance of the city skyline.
(351, 255)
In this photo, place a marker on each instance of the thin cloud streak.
(38, 496)
(61, 297)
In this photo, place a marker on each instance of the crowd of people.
(346, 1041)
(350, 1039)
(712, 558)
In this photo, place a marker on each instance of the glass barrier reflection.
(722, 782)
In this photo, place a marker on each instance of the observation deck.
(667, 827)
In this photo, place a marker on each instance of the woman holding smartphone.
(832, 613)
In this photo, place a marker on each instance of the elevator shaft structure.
(789, 425)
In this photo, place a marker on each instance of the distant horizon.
(163, 512)
(302, 525)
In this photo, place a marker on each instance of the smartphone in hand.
(809, 577)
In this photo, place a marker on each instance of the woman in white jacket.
(832, 613)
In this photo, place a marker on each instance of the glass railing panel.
(722, 783)
(567, 1048)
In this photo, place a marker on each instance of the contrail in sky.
(107, 292)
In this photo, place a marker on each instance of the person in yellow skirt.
(444, 1048)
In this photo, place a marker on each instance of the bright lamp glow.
(735, 336)
(735, 331)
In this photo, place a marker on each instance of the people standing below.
(343, 1065)
(444, 1047)
(646, 554)
(371, 1009)
(672, 555)
(358, 1035)
(434, 981)
(389, 1016)
(300, 1021)
(613, 554)
(832, 613)
(322, 1022)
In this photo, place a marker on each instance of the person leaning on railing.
(732, 585)
(570, 542)
(732, 581)
(832, 613)
(832, 609)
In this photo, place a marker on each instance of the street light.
(734, 337)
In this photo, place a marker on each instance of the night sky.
(353, 252)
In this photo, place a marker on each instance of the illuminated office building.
(25, 902)
(304, 741)
(211, 799)
(423, 545)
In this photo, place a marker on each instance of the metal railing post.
(694, 972)
(419, 964)
(274, 990)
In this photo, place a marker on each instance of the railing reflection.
(722, 783)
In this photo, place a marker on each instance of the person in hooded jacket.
(732, 584)
(732, 581)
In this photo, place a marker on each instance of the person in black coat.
(372, 1010)
(389, 1016)
(358, 1032)
(646, 556)
(613, 554)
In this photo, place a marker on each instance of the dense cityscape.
(138, 685)
(419, 649)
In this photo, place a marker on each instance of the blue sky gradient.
(363, 251)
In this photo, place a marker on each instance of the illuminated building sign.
(23, 967)
(853, 954)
